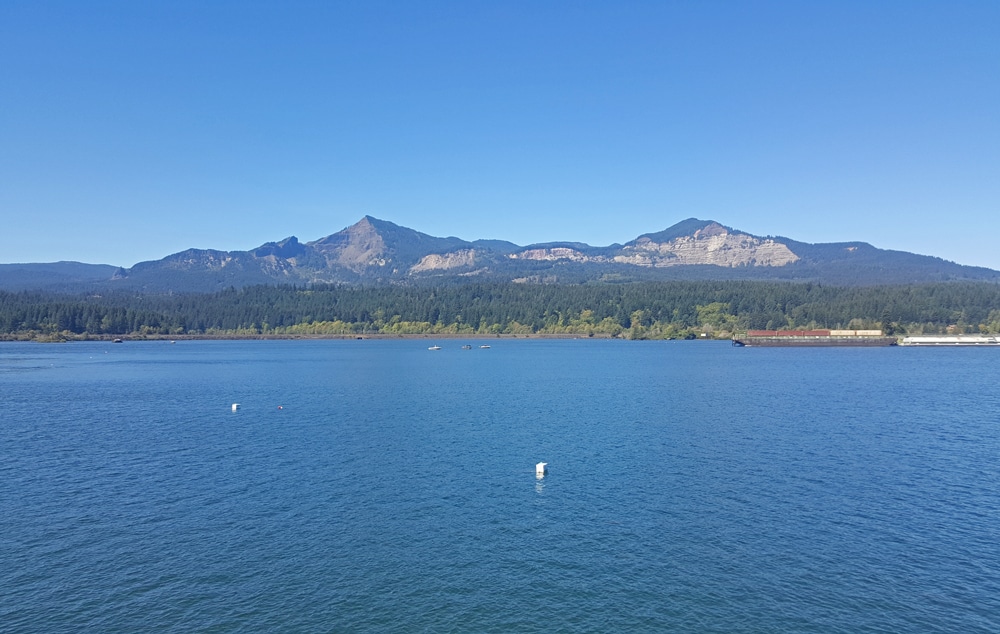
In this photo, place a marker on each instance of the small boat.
(434, 348)
(117, 341)
(466, 347)
(483, 347)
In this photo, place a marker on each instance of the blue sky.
(132, 130)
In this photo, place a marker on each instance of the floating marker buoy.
(540, 469)
(280, 407)
(236, 406)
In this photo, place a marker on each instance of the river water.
(377, 486)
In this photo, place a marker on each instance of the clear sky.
(133, 130)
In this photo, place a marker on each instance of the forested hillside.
(647, 310)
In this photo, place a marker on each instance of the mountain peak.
(372, 242)
(290, 247)
(355, 247)
(692, 227)
(695, 241)
(369, 222)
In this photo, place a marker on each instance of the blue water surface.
(377, 486)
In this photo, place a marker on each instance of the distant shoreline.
(276, 337)
(448, 336)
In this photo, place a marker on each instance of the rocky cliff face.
(463, 258)
(554, 254)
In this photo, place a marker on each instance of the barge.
(813, 338)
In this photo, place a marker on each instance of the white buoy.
(236, 406)
(540, 469)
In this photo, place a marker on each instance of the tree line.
(639, 310)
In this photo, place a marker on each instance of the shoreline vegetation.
(664, 310)
(67, 338)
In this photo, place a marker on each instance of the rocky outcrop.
(553, 254)
(445, 262)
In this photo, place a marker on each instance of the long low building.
(951, 340)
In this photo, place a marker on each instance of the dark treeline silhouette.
(641, 310)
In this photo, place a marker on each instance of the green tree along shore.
(641, 311)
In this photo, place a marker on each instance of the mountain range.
(373, 251)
